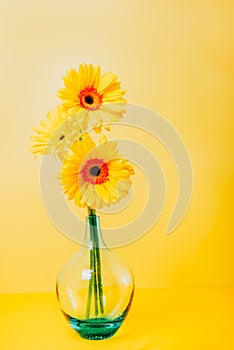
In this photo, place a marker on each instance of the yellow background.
(175, 57)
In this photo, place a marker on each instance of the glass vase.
(95, 287)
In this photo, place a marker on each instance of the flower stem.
(92, 215)
(96, 281)
(92, 267)
(98, 261)
(91, 257)
(95, 287)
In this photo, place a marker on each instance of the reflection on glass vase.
(95, 287)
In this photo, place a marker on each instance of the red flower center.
(95, 171)
(89, 98)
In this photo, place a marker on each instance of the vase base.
(95, 328)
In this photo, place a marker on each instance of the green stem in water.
(92, 223)
(96, 266)
(92, 264)
(98, 261)
(91, 257)
(95, 282)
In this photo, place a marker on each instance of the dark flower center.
(61, 137)
(95, 170)
(89, 99)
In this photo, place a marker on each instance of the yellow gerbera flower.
(55, 134)
(98, 96)
(95, 176)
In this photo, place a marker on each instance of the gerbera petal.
(112, 190)
(124, 185)
(118, 174)
(105, 81)
(79, 199)
(102, 192)
(97, 129)
(113, 90)
(96, 77)
(93, 119)
(107, 150)
(102, 139)
(83, 75)
(109, 116)
(117, 108)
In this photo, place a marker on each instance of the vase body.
(95, 287)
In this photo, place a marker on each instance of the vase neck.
(93, 234)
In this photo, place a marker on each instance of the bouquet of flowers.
(93, 175)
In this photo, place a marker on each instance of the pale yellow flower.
(55, 134)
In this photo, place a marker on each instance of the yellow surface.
(171, 55)
(160, 319)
